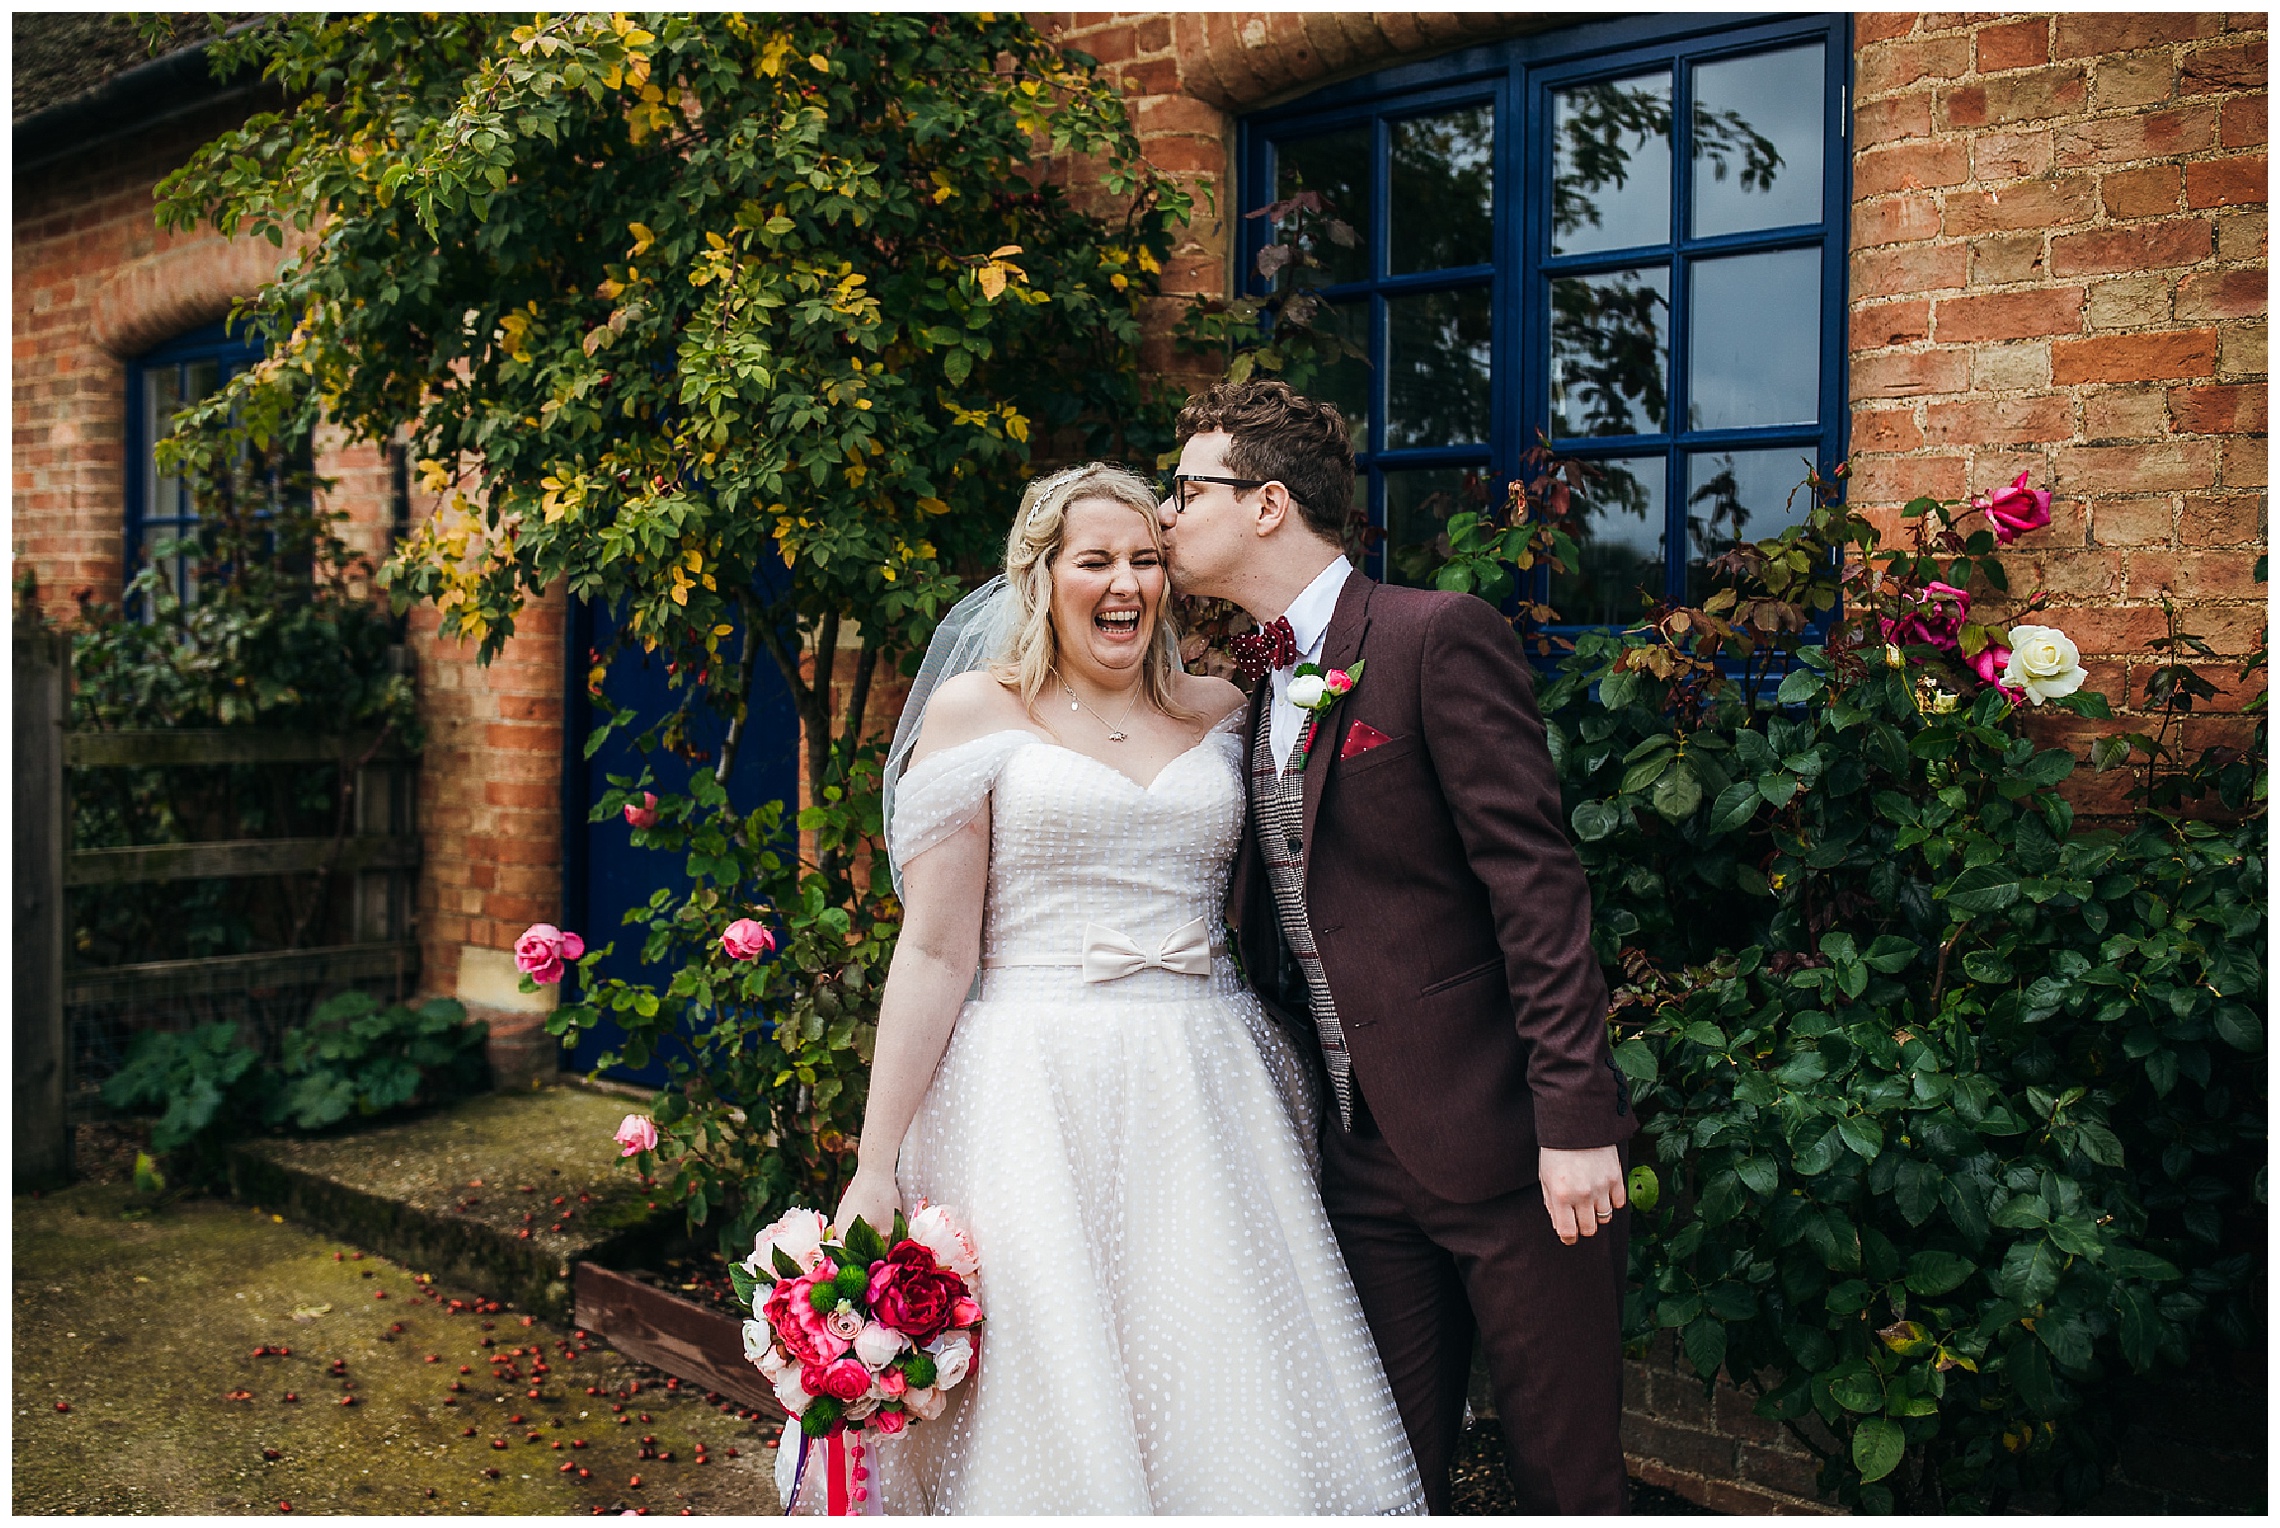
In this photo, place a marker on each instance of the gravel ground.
(138, 1388)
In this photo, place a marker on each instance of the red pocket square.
(1361, 738)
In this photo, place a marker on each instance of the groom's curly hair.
(1279, 434)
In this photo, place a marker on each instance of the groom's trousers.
(1430, 1271)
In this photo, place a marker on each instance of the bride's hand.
(873, 1196)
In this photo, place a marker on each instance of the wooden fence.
(73, 1023)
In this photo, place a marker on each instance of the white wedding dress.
(1170, 1328)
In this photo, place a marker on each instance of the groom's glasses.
(1176, 486)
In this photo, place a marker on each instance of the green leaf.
(2140, 1327)
(2029, 1367)
(1705, 1344)
(1595, 820)
(1982, 889)
(1799, 686)
(1759, 1173)
(1858, 1389)
(1934, 1272)
(2240, 1028)
(1877, 1447)
(1637, 1061)
(1677, 794)
(785, 1264)
(1735, 806)
(1863, 1135)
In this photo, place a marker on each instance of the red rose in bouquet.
(913, 1294)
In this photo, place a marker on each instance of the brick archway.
(148, 301)
(1238, 60)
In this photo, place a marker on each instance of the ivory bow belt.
(1109, 954)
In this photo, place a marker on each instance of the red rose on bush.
(912, 1294)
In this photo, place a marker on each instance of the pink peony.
(912, 1294)
(542, 949)
(799, 1233)
(925, 1404)
(1933, 616)
(893, 1381)
(844, 1379)
(799, 1326)
(890, 1422)
(2015, 510)
(943, 1237)
(747, 940)
(644, 815)
(637, 1135)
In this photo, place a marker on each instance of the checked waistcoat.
(1278, 799)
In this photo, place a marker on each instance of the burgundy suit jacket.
(1449, 907)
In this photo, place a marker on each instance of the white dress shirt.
(1309, 617)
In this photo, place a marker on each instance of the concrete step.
(448, 1192)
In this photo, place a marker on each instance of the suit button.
(1294, 843)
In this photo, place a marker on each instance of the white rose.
(860, 1408)
(2044, 663)
(799, 1233)
(933, 1229)
(789, 1392)
(877, 1345)
(1306, 691)
(759, 1342)
(953, 1356)
(925, 1404)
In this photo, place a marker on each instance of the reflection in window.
(1755, 356)
(1442, 191)
(1619, 526)
(1337, 165)
(1611, 165)
(1610, 339)
(1418, 505)
(1437, 368)
(1735, 496)
(1758, 123)
(165, 514)
(1346, 381)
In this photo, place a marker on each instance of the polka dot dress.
(1170, 1328)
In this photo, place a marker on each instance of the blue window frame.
(159, 508)
(1628, 236)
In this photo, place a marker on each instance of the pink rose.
(2015, 510)
(1337, 681)
(1932, 616)
(800, 1326)
(1989, 662)
(644, 815)
(890, 1422)
(747, 940)
(637, 1135)
(844, 1324)
(965, 1311)
(845, 1379)
(893, 1381)
(925, 1404)
(542, 949)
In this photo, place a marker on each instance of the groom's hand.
(1582, 1189)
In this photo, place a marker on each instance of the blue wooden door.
(603, 873)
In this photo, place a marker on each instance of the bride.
(1124, 1130)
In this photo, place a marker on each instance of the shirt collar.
(1309, 615)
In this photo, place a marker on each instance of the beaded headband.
(1047, 487)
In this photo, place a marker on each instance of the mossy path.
(145, 1324)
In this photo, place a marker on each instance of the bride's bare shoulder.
(967, 706)
(1214, 700)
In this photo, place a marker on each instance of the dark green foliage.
(357, 1057)
(203, 1080)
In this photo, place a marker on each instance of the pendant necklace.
(1116, 732)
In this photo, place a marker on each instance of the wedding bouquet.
(859, 1334)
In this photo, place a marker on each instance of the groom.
(1407, 889)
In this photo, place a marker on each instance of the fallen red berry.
(270, 1453)
(284, 1506)
(63, 1405)
(290, 1396)
(498, 1443)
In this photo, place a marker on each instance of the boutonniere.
(1314, 690)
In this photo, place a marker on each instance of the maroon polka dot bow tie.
(1259, 653)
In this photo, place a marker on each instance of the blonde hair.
(1033, 648)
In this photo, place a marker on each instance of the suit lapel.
(1341, 645)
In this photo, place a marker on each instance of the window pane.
(1418, 504)
(1734, 496)
(1755, 352)
(1611, 165)
(1346, 381)
(1758, 125)
(1437, 368)
(1337, 165)
(1610, 349)
(1619, 527)
(162, 395)
(1442, 190)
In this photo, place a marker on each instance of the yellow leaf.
(715, 240)
(680, 594)
(642, 238)
(722, 630)
(992, 280)
(819, 63)
(1004, 250)
(934, 506)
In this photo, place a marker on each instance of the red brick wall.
(2058, 264)
(97, 283)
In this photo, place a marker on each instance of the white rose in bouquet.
(860, 1408)
(925, 1404)
(789, 1392)
(759, 1343)
(877, 1345)
(799, 1233)
(1306, 691)
(932, 1229)
(953, 1356)
(2044, 663)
